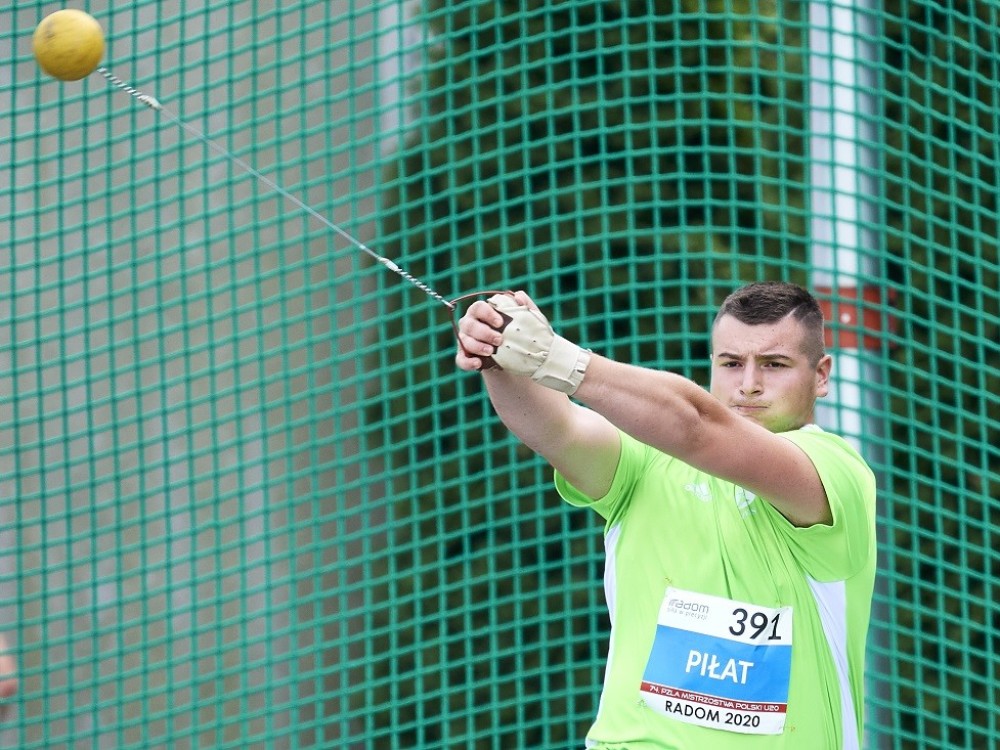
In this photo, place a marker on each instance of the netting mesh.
(246, 500)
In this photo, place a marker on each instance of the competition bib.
(720, 663)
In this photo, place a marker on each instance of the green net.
(245, 498)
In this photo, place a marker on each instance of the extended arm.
(581, 444)
(678, 417)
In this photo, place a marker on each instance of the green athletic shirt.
(685, 549)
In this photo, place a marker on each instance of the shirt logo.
(700, 491)
(744, 499)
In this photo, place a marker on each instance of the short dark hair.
(770, 301)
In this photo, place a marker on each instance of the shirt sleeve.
(839, 550)
(631, 464)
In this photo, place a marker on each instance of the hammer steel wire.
(154, 104)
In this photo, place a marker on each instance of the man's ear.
(823, 369)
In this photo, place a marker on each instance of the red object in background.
(856, 321)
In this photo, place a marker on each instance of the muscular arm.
(581, 444)
(678, 417)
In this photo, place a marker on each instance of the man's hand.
(8, 678)
(479, 336)
(520, 340)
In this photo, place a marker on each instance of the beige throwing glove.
(530, 347)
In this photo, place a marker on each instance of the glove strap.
(564, 367)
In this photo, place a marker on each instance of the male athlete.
(740, 537)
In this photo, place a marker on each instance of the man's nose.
(751, 381)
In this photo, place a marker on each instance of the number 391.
(757, 623)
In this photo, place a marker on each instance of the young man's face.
(764, 373)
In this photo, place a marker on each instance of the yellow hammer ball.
(68, 44)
